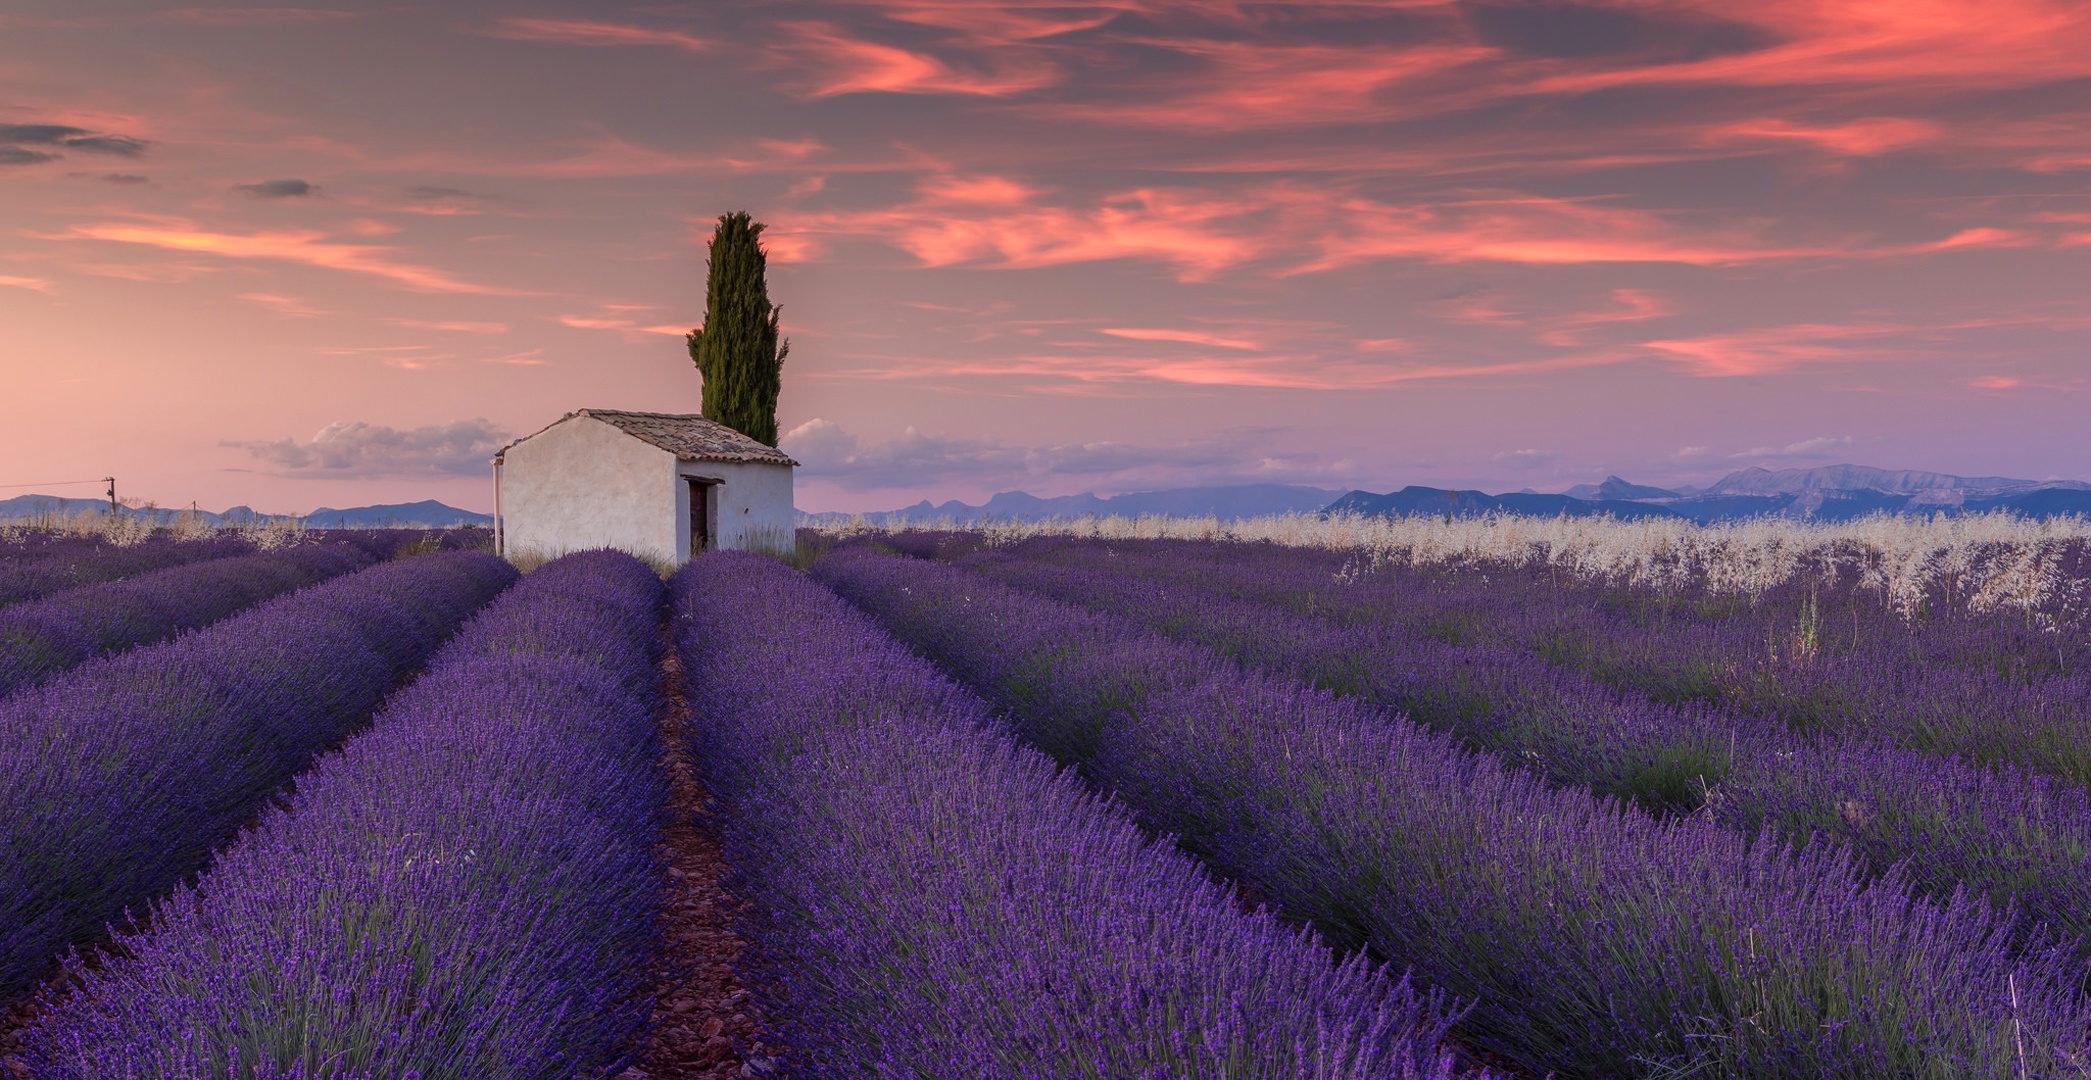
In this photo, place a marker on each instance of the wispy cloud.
(1189, 337)
(1527, 458)
(284, 305)
(278, 189)
(34, 144)
(33, 284)
(1856, 138)
(828, 61)
(1821, 446)
(620, 318)
(915, 458)
(592, 32)
(304, 247)
(1298, 227)
(1770, 349)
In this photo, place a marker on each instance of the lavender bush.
(1598, 940)
(389, 543)
(2017, 837)
(120, 777)
(42, 638)
(465, 891)
(42, 569)
(2003, 686)
(935, 901)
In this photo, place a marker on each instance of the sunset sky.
(293, 256)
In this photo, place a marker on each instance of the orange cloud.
(590, 32)
(1256, 84)
(1857, 138)
(307, 248)
(990, 222)
(284, 305)
(1628, 305)
(30, 283)
(630, 329)
(1191, 337)
(852, 65)
(1002, 23)
(1990, 44)
(1000, 223)
(1766, 350)
(1531, 230)
(461, 327)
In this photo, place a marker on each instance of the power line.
(58, 483)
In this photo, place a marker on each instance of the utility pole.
(111, 481)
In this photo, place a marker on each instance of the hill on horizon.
(426, 514)
(1829, 493)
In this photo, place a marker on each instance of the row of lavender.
(465, 891)
(121, 776)
(934, 900)
(40, 638)
(2016, 836)
(1997, 686)
(33, 571)
(1597, 940)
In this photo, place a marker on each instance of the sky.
(302, 255)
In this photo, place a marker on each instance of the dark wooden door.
(700, 517)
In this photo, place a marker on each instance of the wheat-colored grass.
(1987, 561)
(127, 529)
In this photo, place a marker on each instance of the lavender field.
(1031, 803)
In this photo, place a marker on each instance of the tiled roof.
(689, 438)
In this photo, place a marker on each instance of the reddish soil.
(705, 1023)
(15, 1016)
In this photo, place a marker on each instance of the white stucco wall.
(584, 483)
(751, 505)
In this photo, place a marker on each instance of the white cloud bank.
(360, 450)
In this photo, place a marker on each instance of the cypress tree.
(737, 350)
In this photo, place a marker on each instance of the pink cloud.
(631, 329)
(1627, 306)
(1991, 44)
(853, 65)
(1192, 337)
(1767, 350)
(996, 222)
(1242, 84)
(1532, 230)
(989, 221)
(1001, 23)
(1856, 138)
(590, 32)
(304, 247)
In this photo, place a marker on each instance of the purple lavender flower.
(466, 890)
(931, 899)
(41, 638)
(1597, 939)
(119, 777)
(41, 569)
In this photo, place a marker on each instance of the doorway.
(701, 530)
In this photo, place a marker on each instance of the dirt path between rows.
(705, 1022)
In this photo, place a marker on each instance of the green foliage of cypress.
(737, 349)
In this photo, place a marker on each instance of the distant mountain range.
(1226, 503)
(427, 514)
(1829, 493)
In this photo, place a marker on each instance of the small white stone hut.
(653, 484)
